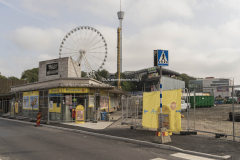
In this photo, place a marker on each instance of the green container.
(202, 101)
(229, 101)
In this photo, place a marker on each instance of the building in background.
(60, 90)
(5, 95)
(215, 86)
(149, 79)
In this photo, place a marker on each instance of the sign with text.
(152, 70)
(52, 69)
(222, 89)
(68, 90)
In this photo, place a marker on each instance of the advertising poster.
(222, 89)
(16, 107)
(34, 102)
(68, 99)
(80, 115)
(91, 101)
(102, 102)
(26, 102)
(152, 75)
(106, 102)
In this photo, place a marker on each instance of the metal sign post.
(160, 89)
(161, 58)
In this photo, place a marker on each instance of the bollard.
(38, 120)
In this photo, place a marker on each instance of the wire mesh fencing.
(213, 110)
(132, 108)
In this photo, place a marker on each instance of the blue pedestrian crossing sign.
(163, 58)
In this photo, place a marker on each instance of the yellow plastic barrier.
(171, 102)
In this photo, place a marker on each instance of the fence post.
(188, 107)
(233, 114)
(137, 109)
(132, 108)
(127, 108)
(48, 106)
(194, 109)
(108, 106)
(122, 107)
(32, 110)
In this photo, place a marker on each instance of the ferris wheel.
(87, 47)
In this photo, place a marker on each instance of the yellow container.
(80, 114)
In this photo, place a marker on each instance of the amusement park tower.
(120, 17)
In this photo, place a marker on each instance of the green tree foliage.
(127, 86)
(83, 74)
(13, 78)
(31, 75)
(186, 78)
(2, 76)
(122, 76)
(103, 73)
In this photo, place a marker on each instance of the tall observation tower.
(120, 17)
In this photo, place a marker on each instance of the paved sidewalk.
(196, 143)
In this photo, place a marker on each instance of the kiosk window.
(55, 99)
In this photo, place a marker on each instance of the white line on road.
(189, 156)
(157, 159)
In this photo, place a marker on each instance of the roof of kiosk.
(67, 82)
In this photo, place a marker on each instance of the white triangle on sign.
(163, 58)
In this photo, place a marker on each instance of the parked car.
(185, 106)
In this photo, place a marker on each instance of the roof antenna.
(120, 4)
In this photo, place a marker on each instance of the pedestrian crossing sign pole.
(161, 58)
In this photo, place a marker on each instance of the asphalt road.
(25, 142)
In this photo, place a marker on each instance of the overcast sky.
(202, 36)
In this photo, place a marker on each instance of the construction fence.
(143, 110)
(210, 110)
(213, 110)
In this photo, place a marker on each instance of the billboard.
(52, 69)
(222, 89)
(30, 100)
(152, 75)
(152, 70)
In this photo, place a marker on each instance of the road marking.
(157, 159)
(189, 156)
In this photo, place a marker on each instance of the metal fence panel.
(132, 107)
(217, 118)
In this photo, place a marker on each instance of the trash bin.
(103, 116)
(236, 116)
